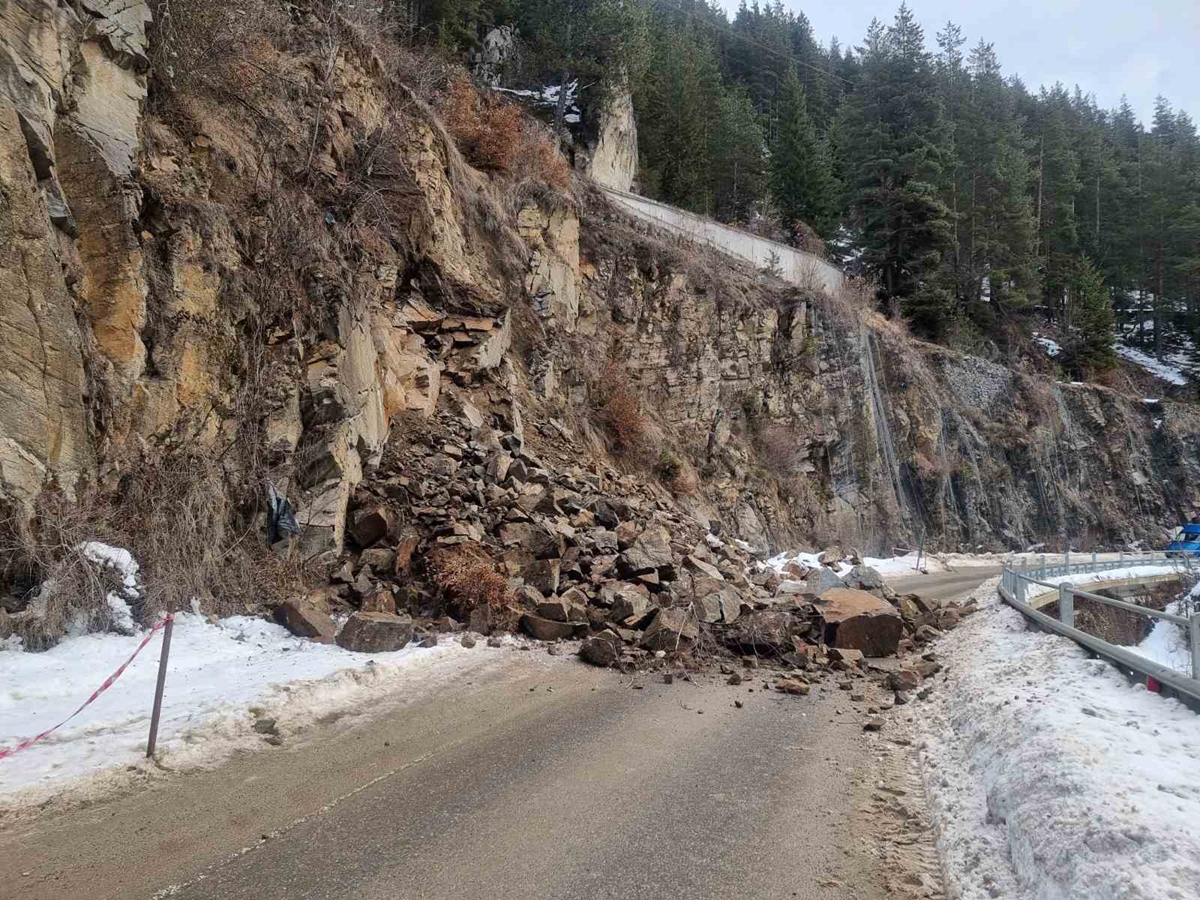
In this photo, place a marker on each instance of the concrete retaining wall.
(795, 265)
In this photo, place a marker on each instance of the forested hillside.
(982, 206)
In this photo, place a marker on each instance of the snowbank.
(220, 678)
(1050, 776)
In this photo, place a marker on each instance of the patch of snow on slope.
(1050, 776)
(218, 677)
(1052, 348)
(1167, 373)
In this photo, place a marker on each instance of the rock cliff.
(286, 270)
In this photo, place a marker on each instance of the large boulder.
(543, 574)
(604, 649)
(307, 617)
(715, 601)
(671, 629)
(650, 552)
(860, 621)
(863, 578)
(549, 629)
(375, 632)
(373, 524)
(626, 600)
(821, 580)
(532, 539)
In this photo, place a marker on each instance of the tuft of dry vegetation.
(779, 448)
(192, 544)
(469, 579)
(619, 412)
(496, 135)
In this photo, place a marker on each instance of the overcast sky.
(1140, 48)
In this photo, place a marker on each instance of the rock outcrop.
(417, 355)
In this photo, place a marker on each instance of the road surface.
(530, 778)
(545, 779)
(943, 585)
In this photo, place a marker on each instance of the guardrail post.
(1042, 572)
(1067, 564)
(1093, 560)
(1066, 605)
(1194, 628)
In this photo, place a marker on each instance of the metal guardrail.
(1015, 589)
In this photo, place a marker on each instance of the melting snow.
(1052, 347)
(1051, 776)
(1167, 373)
(219, 674)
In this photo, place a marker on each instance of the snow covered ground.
(900, 566)
(896, 565)
(1050, 776)
(1168, 372)
(221, 678)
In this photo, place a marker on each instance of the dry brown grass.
(619, 412)
(469, 579)
(496, 135)
(191, 541)
(778, 447)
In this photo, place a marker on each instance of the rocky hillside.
(236, 257)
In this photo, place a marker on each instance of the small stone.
(467, 641)
(430, 641)
(792, 686)
(875, 723)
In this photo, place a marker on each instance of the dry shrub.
(469, 578)
(42, 563)
(808, 240)
(619, 412)
(778, 446)
(214, 45)
(178, 520)
(677, 474)
(496, 135)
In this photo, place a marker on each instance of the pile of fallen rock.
(593, 556)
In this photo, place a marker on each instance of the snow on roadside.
(220, 677)
(1050, 776)
(1167, 644)
(896, 565)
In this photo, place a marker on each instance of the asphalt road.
(943, 585)
(532, 778)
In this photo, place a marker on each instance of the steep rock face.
(43, 421)
(614, 159)
(160, 300)
(71, 84)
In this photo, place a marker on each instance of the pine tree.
(602, 40)
(996, 225)
(1057, 178)
(674, 105)
(895, 143)
(801, 168)
(737, 166)
(1088, 322)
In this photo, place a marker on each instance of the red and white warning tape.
(108, 682)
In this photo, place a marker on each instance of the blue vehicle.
(1187, 541)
